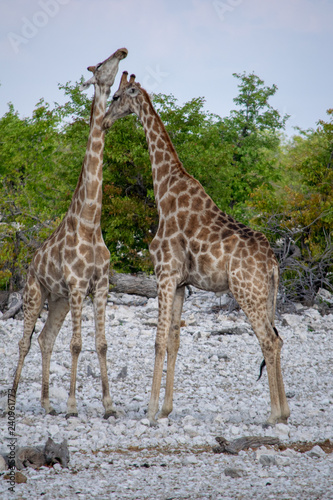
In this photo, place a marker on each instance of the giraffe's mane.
(167, 139)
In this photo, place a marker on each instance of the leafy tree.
(40, 161)
(302, 208)
(28, 159)
(253, 131)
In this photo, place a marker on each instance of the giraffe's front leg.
(172, 351)
(166, 292)
(100, 300)
(76, 302)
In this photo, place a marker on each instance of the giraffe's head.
(125, 101)
(105, 72)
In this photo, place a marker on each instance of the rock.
(282, 431)
(122, 374)
(3, 465)
(140, 429)
(145, 422)
(191, 431)
(211, 398)
(282, 460)
(234, 473)
(324, 296)
(230, 328)
(190, 460)
(263, 451)
(19, 477)
(316, 452)
(290, 453)
(243, 443)
(268, 460)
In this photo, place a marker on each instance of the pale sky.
(188, 48)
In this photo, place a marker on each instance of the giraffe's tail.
(272, 294)
(263, 363)
(271, 307)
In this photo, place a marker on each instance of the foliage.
(240, 160)
(303, 208)
(253, 130)
(39, 167)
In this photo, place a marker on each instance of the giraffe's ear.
(87, 84)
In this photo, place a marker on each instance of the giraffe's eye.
(115, 97)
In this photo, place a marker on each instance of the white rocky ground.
(216, 394)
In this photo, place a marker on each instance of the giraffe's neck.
(163, 156)
(87, 198)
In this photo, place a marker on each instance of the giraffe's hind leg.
(285, 411)
(33, 299)
(58, 310)
(261, 316)
(271, 344)
(172, 350)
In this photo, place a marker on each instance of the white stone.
(190, 459)
(191, 431)
(60, 393)
(140, 429)
(293, 320)
(282, 430)
(145, 422)
(290, 453)
(189, 420)
(264, 451)
(282, 460)
(316, 452)
(3, 465)
(210, 402)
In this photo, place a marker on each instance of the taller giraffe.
(197, 244)
(74, 260)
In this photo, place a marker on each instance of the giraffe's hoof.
(282, 420)
(110, 413)
(72, 414)
(52, 412)
(153, 422)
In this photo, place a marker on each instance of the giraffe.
(74, 260)
(198, 244)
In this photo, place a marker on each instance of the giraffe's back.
(204, 246)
